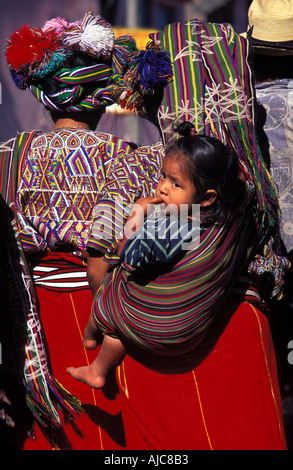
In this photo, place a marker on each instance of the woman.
(197, 172)
(51, 182)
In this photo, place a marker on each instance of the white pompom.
(92, 37)
(97, 38)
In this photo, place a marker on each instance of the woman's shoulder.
(71, 138)
(8, 144)
(74, 138)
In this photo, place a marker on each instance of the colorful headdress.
(33, 54)
(36, 54)
(149, 70)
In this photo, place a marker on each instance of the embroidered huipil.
(60, 182)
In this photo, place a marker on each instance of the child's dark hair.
(211, 165)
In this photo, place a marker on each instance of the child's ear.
(210, 197)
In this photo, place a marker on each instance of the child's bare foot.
(87, 375)
(95, 374)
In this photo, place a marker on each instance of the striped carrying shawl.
(211, 87)
(170, 312)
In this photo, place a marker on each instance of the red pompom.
(27, 46)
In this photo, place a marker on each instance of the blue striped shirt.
(160, 240)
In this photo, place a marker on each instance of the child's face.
(175, 186)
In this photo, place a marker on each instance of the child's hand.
(144, 202)
(136, 218)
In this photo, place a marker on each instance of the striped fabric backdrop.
(212, 88)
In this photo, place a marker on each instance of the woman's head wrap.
(117, 70)
(34, 55)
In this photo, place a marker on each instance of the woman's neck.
(68, 122)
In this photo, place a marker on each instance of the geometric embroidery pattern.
(133, 175)
(61, 179)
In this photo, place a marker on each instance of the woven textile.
(57, 274)
(212, 88)
(60, 181)
(171, 311)
(276, 98)
(73, 96)
(18, 303)
(135, 175)
(222, 396)
(160, 239)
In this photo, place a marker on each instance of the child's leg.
(95, 374)
(91, 335)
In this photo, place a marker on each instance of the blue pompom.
(153, 68)
(19, 79)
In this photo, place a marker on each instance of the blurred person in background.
(270, 31)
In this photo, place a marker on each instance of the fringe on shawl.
(45, 396)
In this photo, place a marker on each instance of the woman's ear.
(209, 198)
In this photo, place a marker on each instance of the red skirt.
(224, 396)
(64, 313)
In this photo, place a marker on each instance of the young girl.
(197, 170)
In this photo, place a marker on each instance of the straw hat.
(270, 26)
